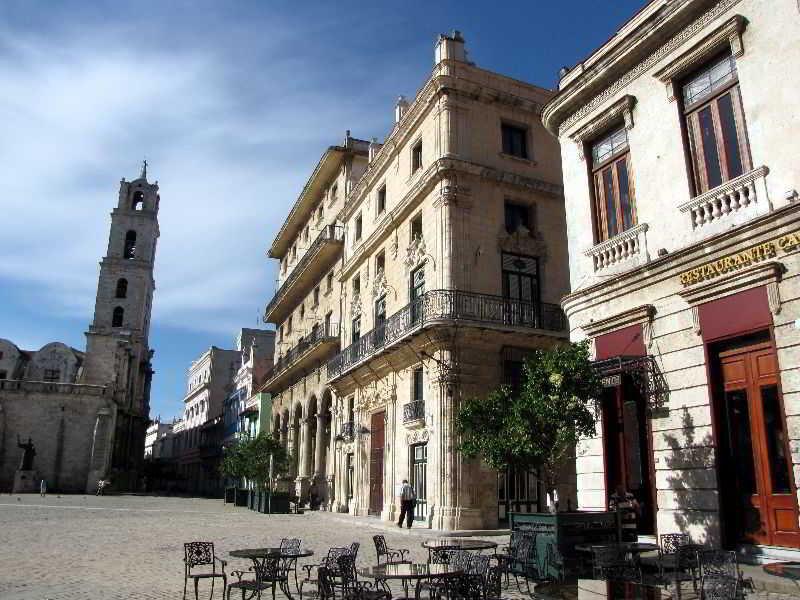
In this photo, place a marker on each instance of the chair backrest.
(380, 545)
(526, 549)
(290, 545)
(331, 560)
(354, 549)
(198, 553)
(718, 563)
(719, 588)
(346, 567)
(494, 581)
(268, 569)
(670, 542)
(479, 565)
(459, 559)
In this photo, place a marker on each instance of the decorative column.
(303, 474)
(319, 454)
(294, 446)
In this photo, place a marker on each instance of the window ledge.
(527, 161)
(628, 245)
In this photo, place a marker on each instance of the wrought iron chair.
(494, 581)
(458, 586)
(290, 546)
(201, 554)
(352, 589)
(389, 555)
(526, 560)
(267, 574)
(324, 588)
(554, 562)
(719, 575)
(354, 549)
(330, 563)
(611, 562)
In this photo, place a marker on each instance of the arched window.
(116, 319)
(130, 245)
(138, 201)
(122, 288)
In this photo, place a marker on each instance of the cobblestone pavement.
(131, 547)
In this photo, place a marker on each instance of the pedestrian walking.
(408, 501)
(42, 488)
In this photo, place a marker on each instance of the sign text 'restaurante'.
(740, 260)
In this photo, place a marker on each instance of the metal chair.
(611, 562)
(494, 581)
(290, 546)
(267, 574)
(526, 561)
(330, 563)
(324, 588)
(719, 574)
(201, 554)
(352, 589)
(389, 555)
(354, 549)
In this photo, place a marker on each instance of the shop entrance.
(627, 448)
(759, 504)
(376, 463)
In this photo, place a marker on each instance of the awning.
(644, 373)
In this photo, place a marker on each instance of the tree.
(249, 458)
(539, 426)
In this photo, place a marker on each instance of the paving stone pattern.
(126, 547)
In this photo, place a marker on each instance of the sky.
(232, 103)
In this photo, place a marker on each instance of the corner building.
(683, 223)
(453, 264)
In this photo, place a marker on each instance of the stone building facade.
(683, 227)
(451, 265)
(87, 412)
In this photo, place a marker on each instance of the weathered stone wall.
(61, 422)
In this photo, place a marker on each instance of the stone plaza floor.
(131, 547)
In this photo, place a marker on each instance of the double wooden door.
(377, 439)
(758, 490)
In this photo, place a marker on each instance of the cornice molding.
(729, 32)
(569, 106)
(621, 108)
(640, 315)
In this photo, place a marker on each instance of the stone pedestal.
(25, 482)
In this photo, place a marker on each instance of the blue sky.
(232, 103)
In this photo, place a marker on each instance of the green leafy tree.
(538, 427)
(234, 460)
(249, 458)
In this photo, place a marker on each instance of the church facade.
(85, 414)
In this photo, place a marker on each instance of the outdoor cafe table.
(408, 572)
(790, 570)
(454, 543)
(259, 555)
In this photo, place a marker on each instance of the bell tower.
(117, 347)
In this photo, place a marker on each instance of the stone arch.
(137, 201)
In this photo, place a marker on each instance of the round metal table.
(407, 572)
(259, 555)
(439, 545)
(790, 570)
(632, 547)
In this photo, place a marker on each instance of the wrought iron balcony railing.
(318, 335)
(413, 411)
(329, 233)
(348, 430)
(449, 305)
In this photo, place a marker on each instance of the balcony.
(630, 246)
(443, 307)
(414, 413)
(318, 258)
(315, 346)
(348, 430)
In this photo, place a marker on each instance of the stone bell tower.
(117, 348)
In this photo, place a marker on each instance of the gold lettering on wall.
(740, 260)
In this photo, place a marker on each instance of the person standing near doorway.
(408, 500)
(42, 488)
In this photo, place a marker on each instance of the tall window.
(359, 226)
(316, 297)
(381, 200)
(329, 282)
(356, 330)
(334, 193)
(515, 140)
(380, 262)
(418, 387)
(356, 285)
(715, 124)
(289, 326)
(137, 203)
(416, 227)
(416, 157)
(51, 375)
(122, 288)
(117, 317)
(416, 292)
(320, 212)
(130, 245)
(613, 192)
(516, 216)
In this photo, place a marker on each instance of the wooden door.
(756, 448)
(376, 463)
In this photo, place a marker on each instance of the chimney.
(450, 48)
(400, 108)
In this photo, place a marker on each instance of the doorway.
(628, 450)
(759, 503)
(376, 463)
(521, 288)
(419, 479)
